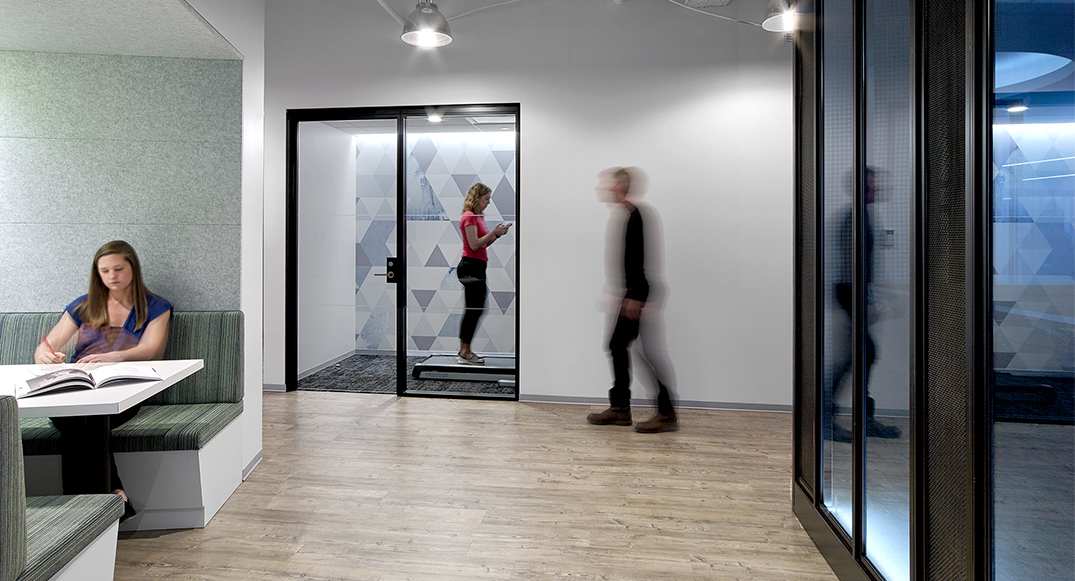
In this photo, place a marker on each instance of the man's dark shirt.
(634, 259)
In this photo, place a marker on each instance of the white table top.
(108, 400)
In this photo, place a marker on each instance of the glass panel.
(889, 204)
(1034, 290)
(444, 159)
(347, 229)
(838, 160)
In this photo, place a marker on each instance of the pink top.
(471, 219)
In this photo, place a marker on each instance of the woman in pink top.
(471, 271)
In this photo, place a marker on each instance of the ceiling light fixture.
(426, 27)
(779, 17)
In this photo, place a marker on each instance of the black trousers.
(653, 355)
(471, 273)
(842, 367)
(85, 447)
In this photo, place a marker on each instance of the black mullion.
(919, 243)
(820, 289)
(518, 245)
(858, 310)
(980, 209)
(291, 254)
(401, 254)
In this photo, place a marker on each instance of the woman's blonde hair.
(476, 191)
(94, 310)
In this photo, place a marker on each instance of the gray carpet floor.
(377, 374)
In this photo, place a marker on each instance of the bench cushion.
(22, 332)
(156, 428)
(166, 428)
(59, 527)
(12, 494)
(39, 437)
(216, 337)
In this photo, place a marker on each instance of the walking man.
(633, 240)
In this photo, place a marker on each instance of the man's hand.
(632, 309)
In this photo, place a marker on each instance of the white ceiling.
(159, 28)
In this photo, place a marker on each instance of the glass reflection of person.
(635, 297)
(471, 271)
(117, 320)
(845, 299)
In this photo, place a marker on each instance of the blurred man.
(632, 263)
(842, 325)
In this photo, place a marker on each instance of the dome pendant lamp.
(426, 27)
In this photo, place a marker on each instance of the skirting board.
(652, 403)
(96, 562)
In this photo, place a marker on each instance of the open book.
(79, 378)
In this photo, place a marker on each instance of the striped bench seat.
(57, 538)
(156, 428)
(180, 457)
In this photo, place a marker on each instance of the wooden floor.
(375, 487)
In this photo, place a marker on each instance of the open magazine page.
(85, 377)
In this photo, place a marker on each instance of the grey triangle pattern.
(437, 258)
(439, 171)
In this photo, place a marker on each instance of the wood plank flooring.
(379, 488)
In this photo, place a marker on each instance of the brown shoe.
(658, 423)
(614, 416)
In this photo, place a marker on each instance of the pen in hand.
(51, 350)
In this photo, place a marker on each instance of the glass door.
(375, 302)
(347, 230)
(448, 152)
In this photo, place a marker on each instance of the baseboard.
(649, 403)
(253, 464)
(274, 387)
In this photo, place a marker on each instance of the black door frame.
(400, 114)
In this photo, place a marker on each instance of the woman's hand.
(103, 357)
(44, 356)
(59, 335)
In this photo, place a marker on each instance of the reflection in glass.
(1034, 290)
(839, 154)
(889, 197)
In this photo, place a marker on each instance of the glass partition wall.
(935, 305)
(1033, 207)
(375, 199)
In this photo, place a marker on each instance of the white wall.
(241, 22)
(704, 106)
(326, 245)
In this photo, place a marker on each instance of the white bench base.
(96, 562)
(170, 490)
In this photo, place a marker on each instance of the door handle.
(389, 270)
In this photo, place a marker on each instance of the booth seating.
(50, 537)
(181, 457)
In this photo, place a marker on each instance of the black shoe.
(128, 511)
(840, 434)
(876, 429)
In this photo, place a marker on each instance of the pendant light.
(426, 27)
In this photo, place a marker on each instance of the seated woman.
(117, 320)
